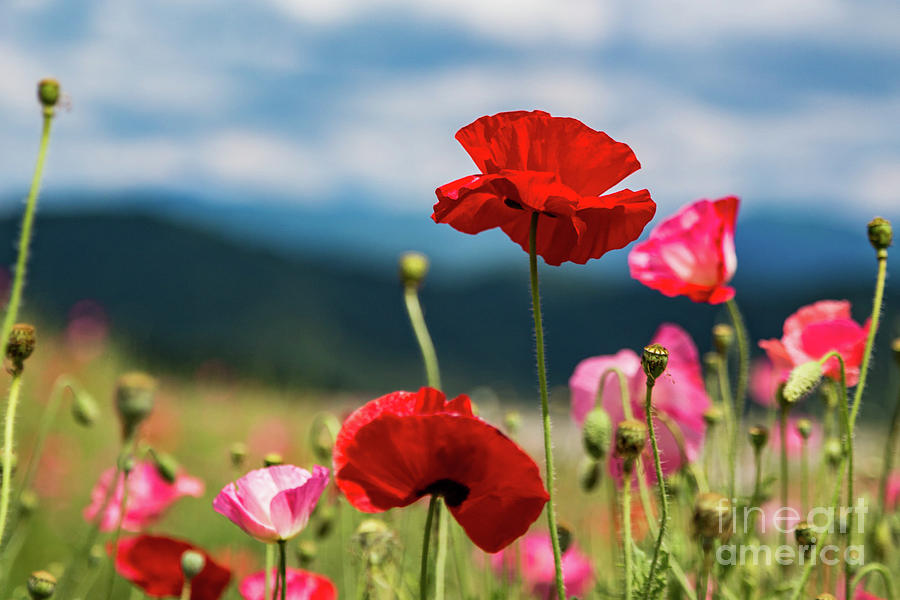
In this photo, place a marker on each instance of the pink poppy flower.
(679, 396)
(893, 491)
(764, 382)
(794, 439)
(691, 253)
(301, 585)
(536, 567)
(814, 331)
(273, 503)
(149, 495)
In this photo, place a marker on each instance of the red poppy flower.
(153, 563)
(556, 166)
(406, 445)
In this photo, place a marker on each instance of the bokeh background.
(231, 182)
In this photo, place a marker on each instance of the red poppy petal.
(611, 222)
(492, 487)
(588, 161)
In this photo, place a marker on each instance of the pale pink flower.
(764, 382)
(794, 439)
(273, 503)
(149, 495)
(301, 585)
(814, 331)
(691, 253)
(678, 397)
(536, 567)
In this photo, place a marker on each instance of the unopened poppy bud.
(654, 361)
(374, 541)
(126, 464)
(272, 459)
(166, 465)
(96, 555)
(713, 416)
(804, 428)
(512, 421)
(631, 437)
(759, 436)
(825, 596)
(834, 453)
(134, 400)
(597, 433)
(325, 515)
(28, 502)
(238, 452)
(48, 92)
(307, 550)
(192, 562)
(564, 535)
(20, 346)
(712, 516)
(804, 534)
(881, 235)
(84, 408)
(710, 363)
(590, 473)
(413, 268)
(41, 585)
(723, 338)
(803, 379)
(895, 348)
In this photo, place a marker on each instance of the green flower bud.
(413, 268)
(374, 542)
(272, 459)
(597, 433)
(804, 428)
(134, 400)
(564, 535)
(28, 503)
(881, 235)
(325, 516)
(512, 421)
(895, 348)
(96, 555)
(802, 380)
(590, 473)
(713, 416)
(631, 437)
(712, 516)
(41, 585)
(166, 465)
(723, 338)
(20, 346)
(825, 596)
(84, 407)
(654, 361)
(238, 453)
(48, 92)
(834, 452)
(192, 563)
(307, 550)
(759, 436)
(710, 364)
(804, 534)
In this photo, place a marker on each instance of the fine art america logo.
(810, 539)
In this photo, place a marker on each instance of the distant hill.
(184, 295)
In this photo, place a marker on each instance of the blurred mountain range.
(307, 296)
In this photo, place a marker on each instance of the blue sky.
(355, 102)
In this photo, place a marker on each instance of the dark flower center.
(454, 493)
(513, 204)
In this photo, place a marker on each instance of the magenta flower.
(536, 567)
(149, 495)
(274, 503)
(764, 381)
(691, 253)
(679, 396)
(814, 331)
(893, 492)
(301, 585)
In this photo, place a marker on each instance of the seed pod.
(413, 268)
(41, 585)
(723, 338)
(881, 235)
(804, 534)
(20, 346)
(596, 433)
(631, 437)
(712, 516)
(654, 361)
(134, 400)
(759, 436)
(192, 563)
(48, 92)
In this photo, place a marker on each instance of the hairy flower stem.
(441, 559)
(15, 296)
(756, 498)
(783, 425)
(282, 569)
(15, 387)
(426, 542)
(740, 394)
(889, 453)
(886, 577)
(628, 469)
(270, 565)
(545, 404)
(804, 476)
(417, 319)
(123, 504)
(661, 483)
(703, 575)
(186, 590)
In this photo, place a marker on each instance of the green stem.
(282, 568)
(623, 389)
(15, 296)
(417, 318)
(757, 490)
(15, 388)
(441, 559)
(661, 482)
(740, 394)
(888, 464)
(703, 575)
(885, 576)
(783, 424)
(186, 590)
(426, 542)
(804, 476)
(270, 567)
(545, 405)
(626, 526)
(730, 419)
(123, 505)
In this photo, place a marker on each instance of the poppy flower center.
(454, 493)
